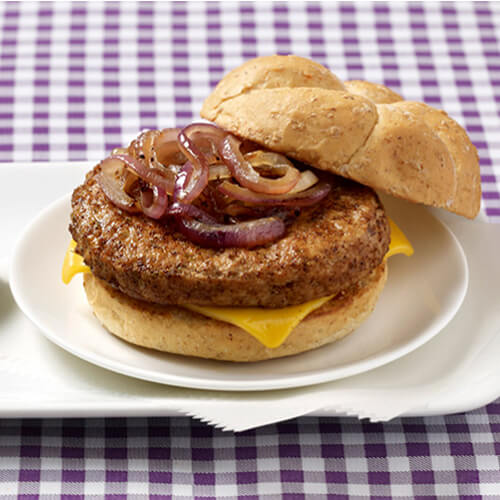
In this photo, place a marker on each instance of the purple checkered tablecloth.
(307, 458)
(78, 79)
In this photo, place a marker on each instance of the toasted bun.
(379, 94)
(359, 130)
(177, 330)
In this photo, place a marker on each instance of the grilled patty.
(328, 248)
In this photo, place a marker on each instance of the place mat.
(78, 79)
(307, 458)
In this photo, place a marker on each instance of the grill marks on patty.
(328, 248)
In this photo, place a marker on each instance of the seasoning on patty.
(327, 248)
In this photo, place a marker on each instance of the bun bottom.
(177, 330)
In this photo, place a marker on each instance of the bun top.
(356, 129)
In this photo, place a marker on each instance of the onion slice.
(119, 151)
(218, 171)
(274, 163)
(147, 142)
(303, 199)
(268, 162)
(181, 209)
(307, 179)
(154, 202)
(166, 148)
(153, 176)
(109, 181)
(248, 177)
(193, 176)
(158, 148)
(190, 182)
(243, 234)
(136, 147)
(207, 137)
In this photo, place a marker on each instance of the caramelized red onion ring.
(193, 176)
(207, 138)
(154, 202)
(157, 148)
(268, 162)
(307, 180)
(218, 171)
(152, 176)
(135, 147)
(167, 148)
(200, 143)
(183, 210)
(148, 140)
(243, 234)
(239, 212)
(248, 177)
(274, 163)
(108, 179)
(190, 182)
(302, 199)
(120, 151)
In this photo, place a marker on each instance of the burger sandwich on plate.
(259, 235)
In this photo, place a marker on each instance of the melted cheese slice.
(399, 242)
(72, 264)
(271, 327)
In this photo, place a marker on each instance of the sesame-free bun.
(360, 130)
(177, 330)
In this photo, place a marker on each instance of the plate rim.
(283, 382)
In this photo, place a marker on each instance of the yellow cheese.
(271, 327)
(73, 264)
(399, 242)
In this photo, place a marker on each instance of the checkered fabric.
(78, 79)
(308, 458)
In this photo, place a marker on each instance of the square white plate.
(42, 380)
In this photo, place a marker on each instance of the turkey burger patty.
(328, 248)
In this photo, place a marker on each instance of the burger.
(258, 234)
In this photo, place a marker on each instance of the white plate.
(423, 293)
(456, 371)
